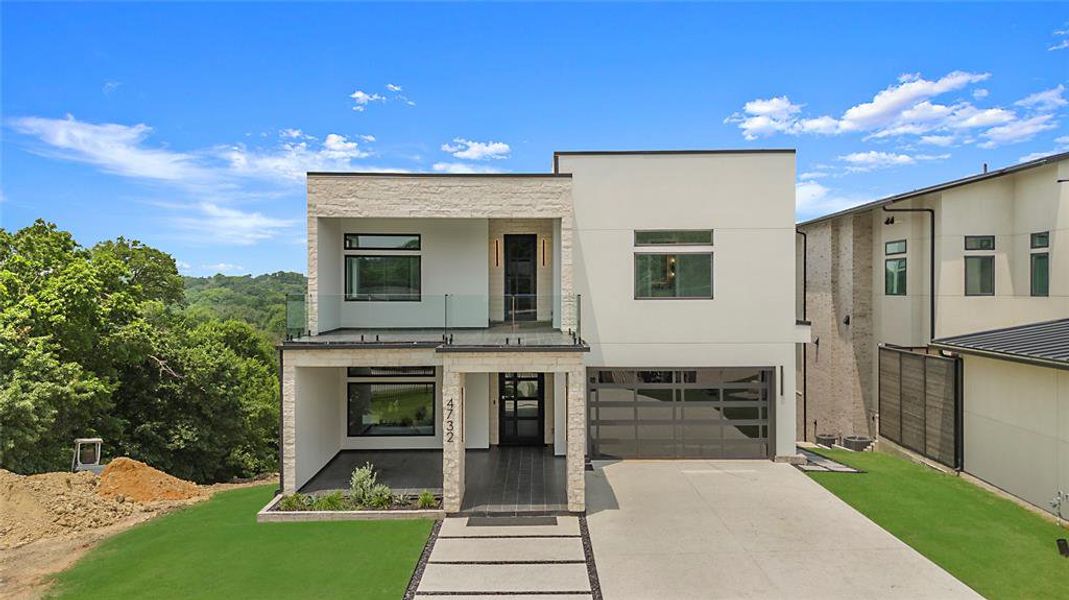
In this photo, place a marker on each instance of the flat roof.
(709, 151)
(396, 174)
(1045, 343)
(1039, 162)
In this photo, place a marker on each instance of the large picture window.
(674, 275)
(394, 407)
(979, 275)
(386, 267)
(894, 283)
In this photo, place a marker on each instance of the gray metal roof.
(1039, 162)
(1044, 343)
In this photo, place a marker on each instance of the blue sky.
(189, 126)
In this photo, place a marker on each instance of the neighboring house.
(1000, 255)
(629, 304)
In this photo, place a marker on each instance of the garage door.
(679, 413)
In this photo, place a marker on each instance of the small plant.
(295, 502)
(426, 500)
(381, 497)
(362, 482)
(331, 501)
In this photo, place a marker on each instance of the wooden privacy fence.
(920, 404)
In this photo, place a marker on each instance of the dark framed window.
(674, 237)
(382, 278)
(894, 281)
(895, 247)
(390, 371)
(979, 275)
(1040, 240)
(1040, 274)
(391, 408)
(382, 241)
(979, 242)
(677, 275)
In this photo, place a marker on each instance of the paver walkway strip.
(543, 558)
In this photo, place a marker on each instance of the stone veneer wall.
(441, 196)
(840, 368)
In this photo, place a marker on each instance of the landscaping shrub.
(295, 502)
(381, 497)
(361, 484)
(426, 500)
(331, 501)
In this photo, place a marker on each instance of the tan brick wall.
(840, 390)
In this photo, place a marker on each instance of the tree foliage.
(99, 341)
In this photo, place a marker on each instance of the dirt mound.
(129, 479)
(51, 504)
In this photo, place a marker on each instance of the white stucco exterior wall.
(748, 200)
(315, 422)
(1017, 427)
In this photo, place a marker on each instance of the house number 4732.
(450, 430)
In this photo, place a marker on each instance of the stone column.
(452, 439)
(289, 428)
(576, 460)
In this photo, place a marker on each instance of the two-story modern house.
(488, 334)
(903, 290)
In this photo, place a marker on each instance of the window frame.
(905, 275)
(1032, 245)
(712, 276)
(639, 244)
(965, 271)
(347, 236)
(358, 251)
(887, 251)
(969, 238)
(432, 381)
(1032, 274)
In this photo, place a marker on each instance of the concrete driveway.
(743, 529)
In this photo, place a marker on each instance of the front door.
(522, 409)
(520, 277)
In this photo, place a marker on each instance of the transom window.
(394, 401)
(1040, 240)
(385, 268)
(979, 242)
(674, 237)
(895, 247)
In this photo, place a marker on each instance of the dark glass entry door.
(520, 277)
(522, 407)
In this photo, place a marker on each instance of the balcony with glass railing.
(454, 322)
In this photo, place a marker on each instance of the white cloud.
(293, 160)
(886, 106)
(393, 87)
(1062, 41)
(295, 134)
(182, 266)
(860, 162)
(1047, 100)
(210, 223)
(223, 268)
(813, 199)
(1018, 131)
(1061, 145)
(812, 175)
(110, 86)
(462, 168)
(980, 93)
(115, 148)
(363, 99)
(367, 138)
(938, 140)
(471, 150)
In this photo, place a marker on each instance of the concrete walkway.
(743, 529)
(511, 558)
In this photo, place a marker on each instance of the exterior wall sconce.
(846, 320)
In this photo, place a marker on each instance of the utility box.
(87, 455)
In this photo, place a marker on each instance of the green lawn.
(994, 546)
(218, 550)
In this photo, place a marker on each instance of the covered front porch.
(492, 432)
(501, 480)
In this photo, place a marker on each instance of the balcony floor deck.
(528, 336)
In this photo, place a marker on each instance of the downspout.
(931, 261)
(281, 463)
(805, 347)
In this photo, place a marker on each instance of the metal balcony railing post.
(445, 315)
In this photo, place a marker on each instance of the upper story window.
(674, 237)
(1039, 264)
(895, 247)
(979, 242)
(668, 274)
(894, 282)
(382, 267)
